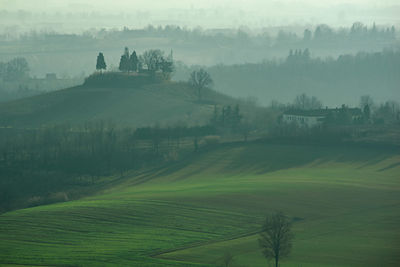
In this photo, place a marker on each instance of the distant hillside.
(142, 104)
(333, 81)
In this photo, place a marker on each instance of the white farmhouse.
(315, 117)
(306, 118)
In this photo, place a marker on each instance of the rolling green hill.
(137, 105)
(344, 201)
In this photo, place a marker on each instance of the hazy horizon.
(207, 14)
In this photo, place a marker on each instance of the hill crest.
(132, 102)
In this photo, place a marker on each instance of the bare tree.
(305, 102)
(227, 259)
(276, 237)
(366, 100)
(153, 59)
(199, 80)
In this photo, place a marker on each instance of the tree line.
(36, 162)
(150, 61)
(14, 70)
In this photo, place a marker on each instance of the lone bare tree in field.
(227, 259)
(199, 80)
(276, 237)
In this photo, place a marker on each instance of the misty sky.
(121, 5)
(222, 13)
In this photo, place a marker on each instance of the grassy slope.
(346, 201)
(166, 102)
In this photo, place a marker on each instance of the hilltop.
(136, 101)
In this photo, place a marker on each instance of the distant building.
(307, 118)
(315, 117)
(51, 76)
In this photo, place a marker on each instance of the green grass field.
(345, 202)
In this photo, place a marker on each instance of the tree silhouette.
(276, 237)
(134, 61)
(227, 259)
(199, 80)
(167, 67)
(16, 69)
(101, 64)
(152, 59)
(305, 102)
(124, 63)
(367, 112)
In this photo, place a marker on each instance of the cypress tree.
(101, 64)
(124, 62)
(134, 61)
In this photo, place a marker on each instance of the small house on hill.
(307, 118)
(315, 117)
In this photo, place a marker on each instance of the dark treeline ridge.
(332, 80)
(37, 162)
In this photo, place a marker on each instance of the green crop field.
(344, 201)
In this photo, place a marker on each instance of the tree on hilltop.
(134, 62)
(199, 80)
(152, 59)
(124, 63)
(101, 64)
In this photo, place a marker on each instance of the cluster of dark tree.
(15, 69)
(347, 116)
(229, 120)
(298, 56)
(37, 162)
(383, 113)
(152, 60)
(358, 31)
(227, 117)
